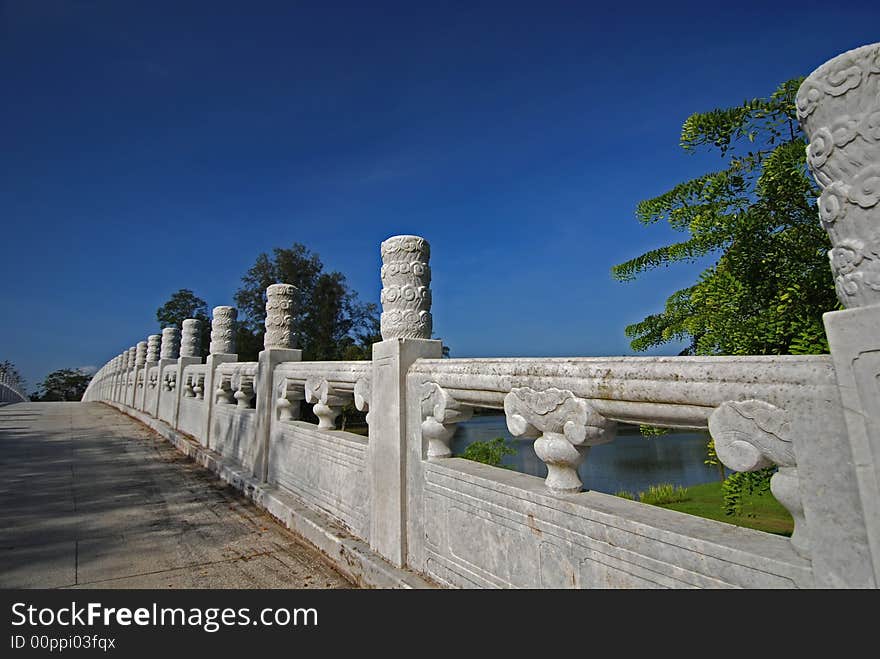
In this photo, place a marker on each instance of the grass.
(761, 512)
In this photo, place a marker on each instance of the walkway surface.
(91, 498)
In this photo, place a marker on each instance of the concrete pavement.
(91, 498)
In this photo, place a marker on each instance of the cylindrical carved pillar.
(170, 343)
(190, 340)
(223, 330)
(406, 292)
(153, 343)
(839, 107)
(132, 354)
(140, 357)
(279, 317)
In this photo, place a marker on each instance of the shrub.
(489, 452)
(663, 493)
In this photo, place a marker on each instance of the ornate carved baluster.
(441, 414)
(328, 404)
(187, 387)
(199, 388)
(565, 427)
(153, 345)
(170, 348)
(170, 380)
(362, 396)
(290, 395)
(244, 393)
(751, 435)
(223, 394)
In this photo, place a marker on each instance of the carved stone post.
(222, 351)
(406, 336)
(190, 340)
(140, 359)
(290, 397)
(279, 346)
(190, 353)
(130, 387)
(565, 427)
(838, 106)
(152, 359)
(169, 351)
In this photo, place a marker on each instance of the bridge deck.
(90, 498)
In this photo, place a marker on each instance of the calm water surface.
(631, 462)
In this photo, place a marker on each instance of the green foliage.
(740, 483)
(66, 384)
(489, 452)
(329, 321)
(771, 283)
(652, 431)
(712, 459)
(182, 305)
(663, 493)
(657, 495)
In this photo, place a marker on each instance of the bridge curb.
(350, 555)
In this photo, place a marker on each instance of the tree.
(66, 384)
(771, 283)
(182, 305)
(329, 320)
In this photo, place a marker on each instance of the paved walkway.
(91, 498)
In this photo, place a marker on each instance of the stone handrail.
(814, 419)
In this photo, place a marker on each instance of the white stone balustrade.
(815, 419)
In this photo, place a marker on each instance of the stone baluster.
(290, 397)
(328, 403)
(224, 393)
(244, 391)
(838, 106)
(362, 396)
(199, 387)
(441, 414)
(564, 428)
(188, 391)
(753, 434)
(190, 339)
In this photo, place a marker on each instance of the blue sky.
(148, 147)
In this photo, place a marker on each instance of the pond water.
(631, 462)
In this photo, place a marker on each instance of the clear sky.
(152, 146)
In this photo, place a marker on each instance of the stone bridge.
(394, 508)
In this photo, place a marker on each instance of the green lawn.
(761, 512)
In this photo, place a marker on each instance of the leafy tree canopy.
(66, 384)
(328, 319)
(771, 283)
(182, 305)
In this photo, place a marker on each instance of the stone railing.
(9, 391)
(816, 419)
